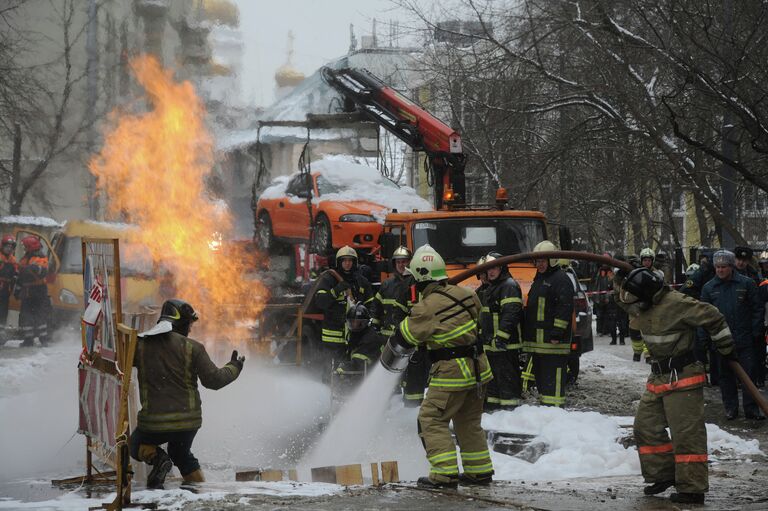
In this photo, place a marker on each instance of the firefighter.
(334, 298)
(647, 258)
(169, 364)
(9, 269)
(363, 342)
(445, 319)
(547, 327)
(674, 396)
(500, 317)
(33, 292)
(390, 305)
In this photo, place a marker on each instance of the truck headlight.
(351, 217)
(68, 297)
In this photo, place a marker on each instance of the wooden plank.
(248, 475)
(349, 475)
(271, 475)
(324, 475)
(375, 474)
(293, 475)
(389, 472)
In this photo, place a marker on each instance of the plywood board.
(389, 473)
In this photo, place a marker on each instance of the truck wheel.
(321, 236)
(265, 239)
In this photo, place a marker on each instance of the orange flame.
(152, 171)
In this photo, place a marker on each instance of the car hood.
(336, 209)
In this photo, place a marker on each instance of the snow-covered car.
(348, 200)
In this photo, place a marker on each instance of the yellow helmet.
(546, 246)
(427, 265)
(401, 252)
(345, 251)
(563, 263)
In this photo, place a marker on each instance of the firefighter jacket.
(33, 269)
(501, 314)
(391, 303)
(549, 313)
(446, 317)
(334, 303)
(8, 271)
(669, 330)
(365, 345)
(169, 366)
(737, 300)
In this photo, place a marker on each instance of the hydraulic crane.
(364, 92)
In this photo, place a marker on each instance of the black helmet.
(180, 314)
(358, 317)
(643, 283)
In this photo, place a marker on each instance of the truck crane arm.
(364, 92)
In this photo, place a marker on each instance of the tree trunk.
(15, 196)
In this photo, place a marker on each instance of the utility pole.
(91, 49)
(729, 146)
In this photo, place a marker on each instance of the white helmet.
(546, 246)
(647, 253)
(427, 265)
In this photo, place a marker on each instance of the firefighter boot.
(475, 480)
(161, 464)
(636, 357)
(426, 482)
(193, 477)
(687, 498)
(657, 488)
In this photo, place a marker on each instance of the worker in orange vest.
(8, 271)
(32, 290)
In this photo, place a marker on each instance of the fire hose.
(586, 256)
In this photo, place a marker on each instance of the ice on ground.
(351, 180)
(723, 445)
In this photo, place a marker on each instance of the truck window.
(135, 260)
(465, 240)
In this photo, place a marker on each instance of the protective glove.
(341, 287)
(237, 361)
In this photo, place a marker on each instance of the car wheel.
(321, 236)
(265, 239)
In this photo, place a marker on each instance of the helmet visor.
(355, 325)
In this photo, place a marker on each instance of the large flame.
(152, 171)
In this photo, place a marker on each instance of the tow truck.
(461, 232)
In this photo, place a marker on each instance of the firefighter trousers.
(505, 389)
(682, 459)
(33, 318)
(464, 408)
(550, 373)
(416, 377)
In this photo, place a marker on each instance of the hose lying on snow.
(586, 256)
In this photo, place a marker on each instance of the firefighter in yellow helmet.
(445, 320)
(334, 298)
(547, 327)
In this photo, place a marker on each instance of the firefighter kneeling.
(674, 396)
(445, 319)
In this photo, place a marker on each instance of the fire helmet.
(692, 268)
(480, 261)
(180, 314)
(31, 243)
(763, 258)
(546, 246)
(401, 252)
(358, 317)
(644, 284)
(345, 251)
(647, 253)
(427, 265)
(8, 239)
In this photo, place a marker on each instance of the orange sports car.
(348, 202)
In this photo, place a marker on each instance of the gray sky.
(321, 33)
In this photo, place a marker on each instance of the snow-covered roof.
(353, 180)
(42, 221)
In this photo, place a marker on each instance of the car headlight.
(356, 218)
(68, 297)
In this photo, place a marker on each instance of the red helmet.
(31, 243)
(8, 240)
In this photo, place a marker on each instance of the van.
(139, 284)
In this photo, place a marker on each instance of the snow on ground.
(350, 181)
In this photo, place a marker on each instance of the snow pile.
(353, 181)
(580, 444)
(722, 445)
(41, 221)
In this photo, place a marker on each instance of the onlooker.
(744, 266)
(735, 296)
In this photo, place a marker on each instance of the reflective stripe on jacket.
(440, 322)
(334, 306)
(392, 303)
(501, 314)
